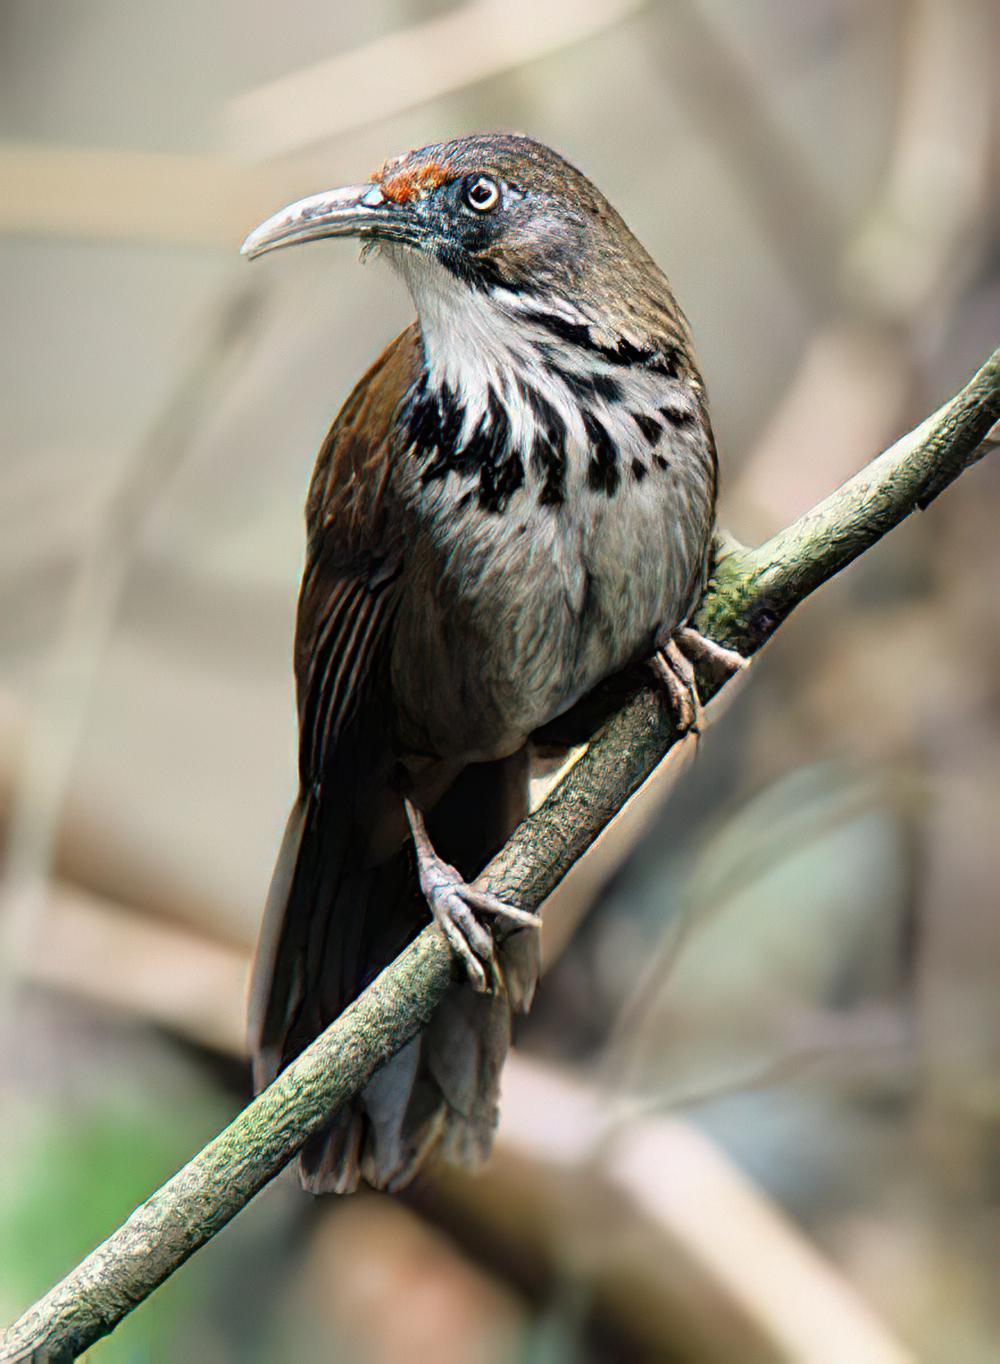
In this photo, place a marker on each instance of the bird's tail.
(330, 926)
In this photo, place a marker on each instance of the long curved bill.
(354, 211)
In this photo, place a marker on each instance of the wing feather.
(350, 586)
(309, 950)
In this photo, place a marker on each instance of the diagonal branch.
(753, 591)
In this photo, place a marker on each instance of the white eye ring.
(482, 194)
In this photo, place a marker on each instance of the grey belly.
(516, 619)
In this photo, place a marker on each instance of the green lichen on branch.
(752, 592)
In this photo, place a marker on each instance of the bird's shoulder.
(352, 482)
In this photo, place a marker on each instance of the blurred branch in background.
(469, 43)
(58, 715)
(726, 99)
(662, 1228)
(753, 591)
(111, 194)
(902, 268)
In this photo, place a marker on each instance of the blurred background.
(755, 1113)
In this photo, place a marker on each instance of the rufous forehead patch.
(402, 186)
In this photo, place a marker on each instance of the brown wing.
(312, 943)
(348, 591)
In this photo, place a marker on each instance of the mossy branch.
(752, 592)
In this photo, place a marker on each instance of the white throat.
(478, 341)
(471, 343)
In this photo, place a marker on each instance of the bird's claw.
(674, 665)
(676, 673)
(457, 908)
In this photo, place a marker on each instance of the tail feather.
(330, 1161)
(384, 1137)
(277, 987)
(466, 1046)
(331, 925)
(406, 1114)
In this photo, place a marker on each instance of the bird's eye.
(482, 194)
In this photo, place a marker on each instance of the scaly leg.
(457, 908)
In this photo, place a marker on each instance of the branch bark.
(753, 591)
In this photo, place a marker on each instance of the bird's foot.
(675, 672)
(700, 649)
(458, 910)
(674, 665)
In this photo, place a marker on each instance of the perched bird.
(515, 504)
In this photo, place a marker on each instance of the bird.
(512, 514)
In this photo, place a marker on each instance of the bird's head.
(499, 215)
(549, 335)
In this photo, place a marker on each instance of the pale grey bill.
(331, 213)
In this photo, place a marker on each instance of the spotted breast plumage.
(515, 504)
